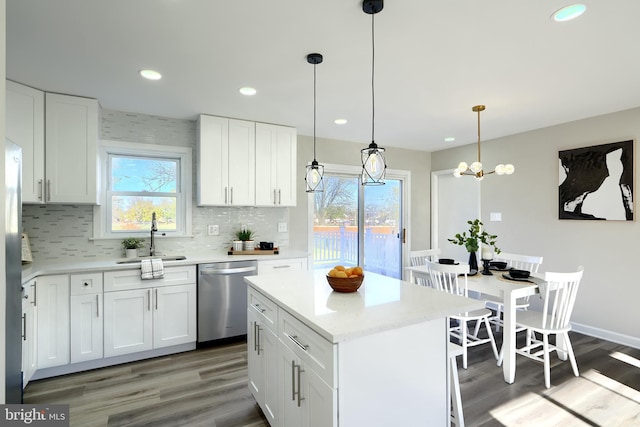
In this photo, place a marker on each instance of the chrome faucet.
(154, 229)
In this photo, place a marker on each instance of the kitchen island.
(375, 357)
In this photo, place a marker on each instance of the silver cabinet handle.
(255, 340)
(209, 271)
(281, 266)
(156, 299)
(294, 338)
(274, 196)
(258, 338)
(35, 295)
(231, 198)
(97, 305)
(225, 195)
(295, 393)
(257, 307)
(149, 300)
(48, 190)
(24, 326)
(280, 202)
(40, 188)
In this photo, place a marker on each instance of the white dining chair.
(421, 257)
(453, 279)
(520, 262)
(559, 296)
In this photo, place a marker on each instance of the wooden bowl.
(345, 284)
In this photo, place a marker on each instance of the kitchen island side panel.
(396, 377)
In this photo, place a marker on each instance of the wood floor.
(208, 387)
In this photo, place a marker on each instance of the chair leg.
(491, 337)
(547, 370)
(476, 330)
(457, 415)
(572, 357)
(499, 317)
(463, 338)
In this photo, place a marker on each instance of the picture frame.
(596, 182)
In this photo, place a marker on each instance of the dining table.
(508, 292)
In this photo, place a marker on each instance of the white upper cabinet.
(275, 165)
(25, 127)
(226, 161)
(71, 129)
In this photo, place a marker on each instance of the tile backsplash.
(65, 232)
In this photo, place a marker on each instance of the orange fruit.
(333, 272)
(339, 267)
(357, 271)
(341, 274)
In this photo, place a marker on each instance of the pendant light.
(373, 163)
(476, 167)
(315, 172)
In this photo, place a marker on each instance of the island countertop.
(382, 303)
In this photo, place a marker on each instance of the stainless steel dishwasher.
(222, 299)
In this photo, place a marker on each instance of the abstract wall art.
(596, 183)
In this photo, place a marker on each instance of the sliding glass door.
(356, 225)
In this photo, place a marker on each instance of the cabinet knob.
(85, 284)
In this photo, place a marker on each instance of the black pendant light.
(315, 172)
(373, 163)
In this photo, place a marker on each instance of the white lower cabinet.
(307, 401)
(52, 305)
(29, 334)
(87, 317)
(263, 366)
(144, 319)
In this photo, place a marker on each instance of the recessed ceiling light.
(247, 91)
(340, 121)
(449, 139)
(568, 13)
(150, 74)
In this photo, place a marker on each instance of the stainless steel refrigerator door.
(13, 270)
(222, 299)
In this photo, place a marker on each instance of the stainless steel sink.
(163, 258)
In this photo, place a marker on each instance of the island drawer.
(316, 351)
(266, 309)
(120, 280)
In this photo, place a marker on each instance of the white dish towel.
(151, 269)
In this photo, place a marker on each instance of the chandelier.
(372, 157)
(475, 169)
(315, 171)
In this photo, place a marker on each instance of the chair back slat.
(520, 262)
(448, 278)
(559, 295)
(421, 257)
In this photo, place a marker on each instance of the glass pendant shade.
(314, 177)
(374, 167)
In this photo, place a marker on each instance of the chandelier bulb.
(475, 167)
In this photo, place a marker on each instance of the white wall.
(528, 200)
(348, 153)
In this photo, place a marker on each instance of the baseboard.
(110, 361)
(606, 335)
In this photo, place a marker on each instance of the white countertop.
(31, 270)
(382, 303)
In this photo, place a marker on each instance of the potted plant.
(131, 246)
(246, 236)
(472, 241)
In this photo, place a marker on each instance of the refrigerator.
(13, 272)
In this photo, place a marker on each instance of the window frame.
(102, 212)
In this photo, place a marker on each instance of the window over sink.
(139, 179)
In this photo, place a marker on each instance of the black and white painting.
(597, 182)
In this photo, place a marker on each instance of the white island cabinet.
(376, 357)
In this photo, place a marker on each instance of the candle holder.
(485, 267)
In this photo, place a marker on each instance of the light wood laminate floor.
(208, 387)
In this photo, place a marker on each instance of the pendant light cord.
(373, 96)
(314, 112)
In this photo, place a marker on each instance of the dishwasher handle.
(213, 271)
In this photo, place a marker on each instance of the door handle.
(24, 327)
(97, 305)
(40, 189)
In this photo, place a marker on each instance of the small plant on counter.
(245, 235)
(132, 243)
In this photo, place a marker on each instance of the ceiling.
(434, 60)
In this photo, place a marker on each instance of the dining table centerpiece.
(471, 241)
